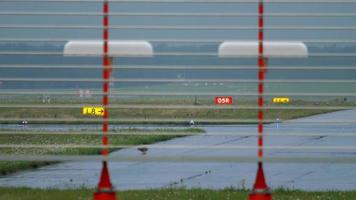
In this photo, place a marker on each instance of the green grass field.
(154, 115)
(174, 115)
(168, 194)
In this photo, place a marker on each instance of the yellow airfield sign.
(280, 100)
(93, 111)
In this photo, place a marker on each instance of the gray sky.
(147, 34)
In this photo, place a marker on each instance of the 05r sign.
(223, 100)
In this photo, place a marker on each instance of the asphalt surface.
(217, 175)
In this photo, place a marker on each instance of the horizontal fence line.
(42, 53)
(176, 120)
(197, 40)
(160, 146)
(44, 92)
(150, 132)
(179, 14)
(180, 27)
(175, 67)
(159, 80)
(180, 159)
(150, 106)
(191, 1)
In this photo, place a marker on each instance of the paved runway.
(216, 175)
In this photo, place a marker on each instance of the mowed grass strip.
(123, 137)
(171, 116)
(72, 115)
(168, 194)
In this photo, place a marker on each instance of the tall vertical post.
(105, 188)
(260, 189)
(106, 78)
(261, 78)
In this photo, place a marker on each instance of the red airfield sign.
(223, 100)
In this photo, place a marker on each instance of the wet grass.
(123, 137)
(7, 167)
(168, 194)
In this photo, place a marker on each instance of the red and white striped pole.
(260, 189)
(105, 188)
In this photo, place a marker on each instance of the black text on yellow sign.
(94, 111)
(281, 100)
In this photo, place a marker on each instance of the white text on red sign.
(223, 100)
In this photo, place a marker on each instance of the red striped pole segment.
(105, 188)
(106, 77)
(260, 189)
(261, 77)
